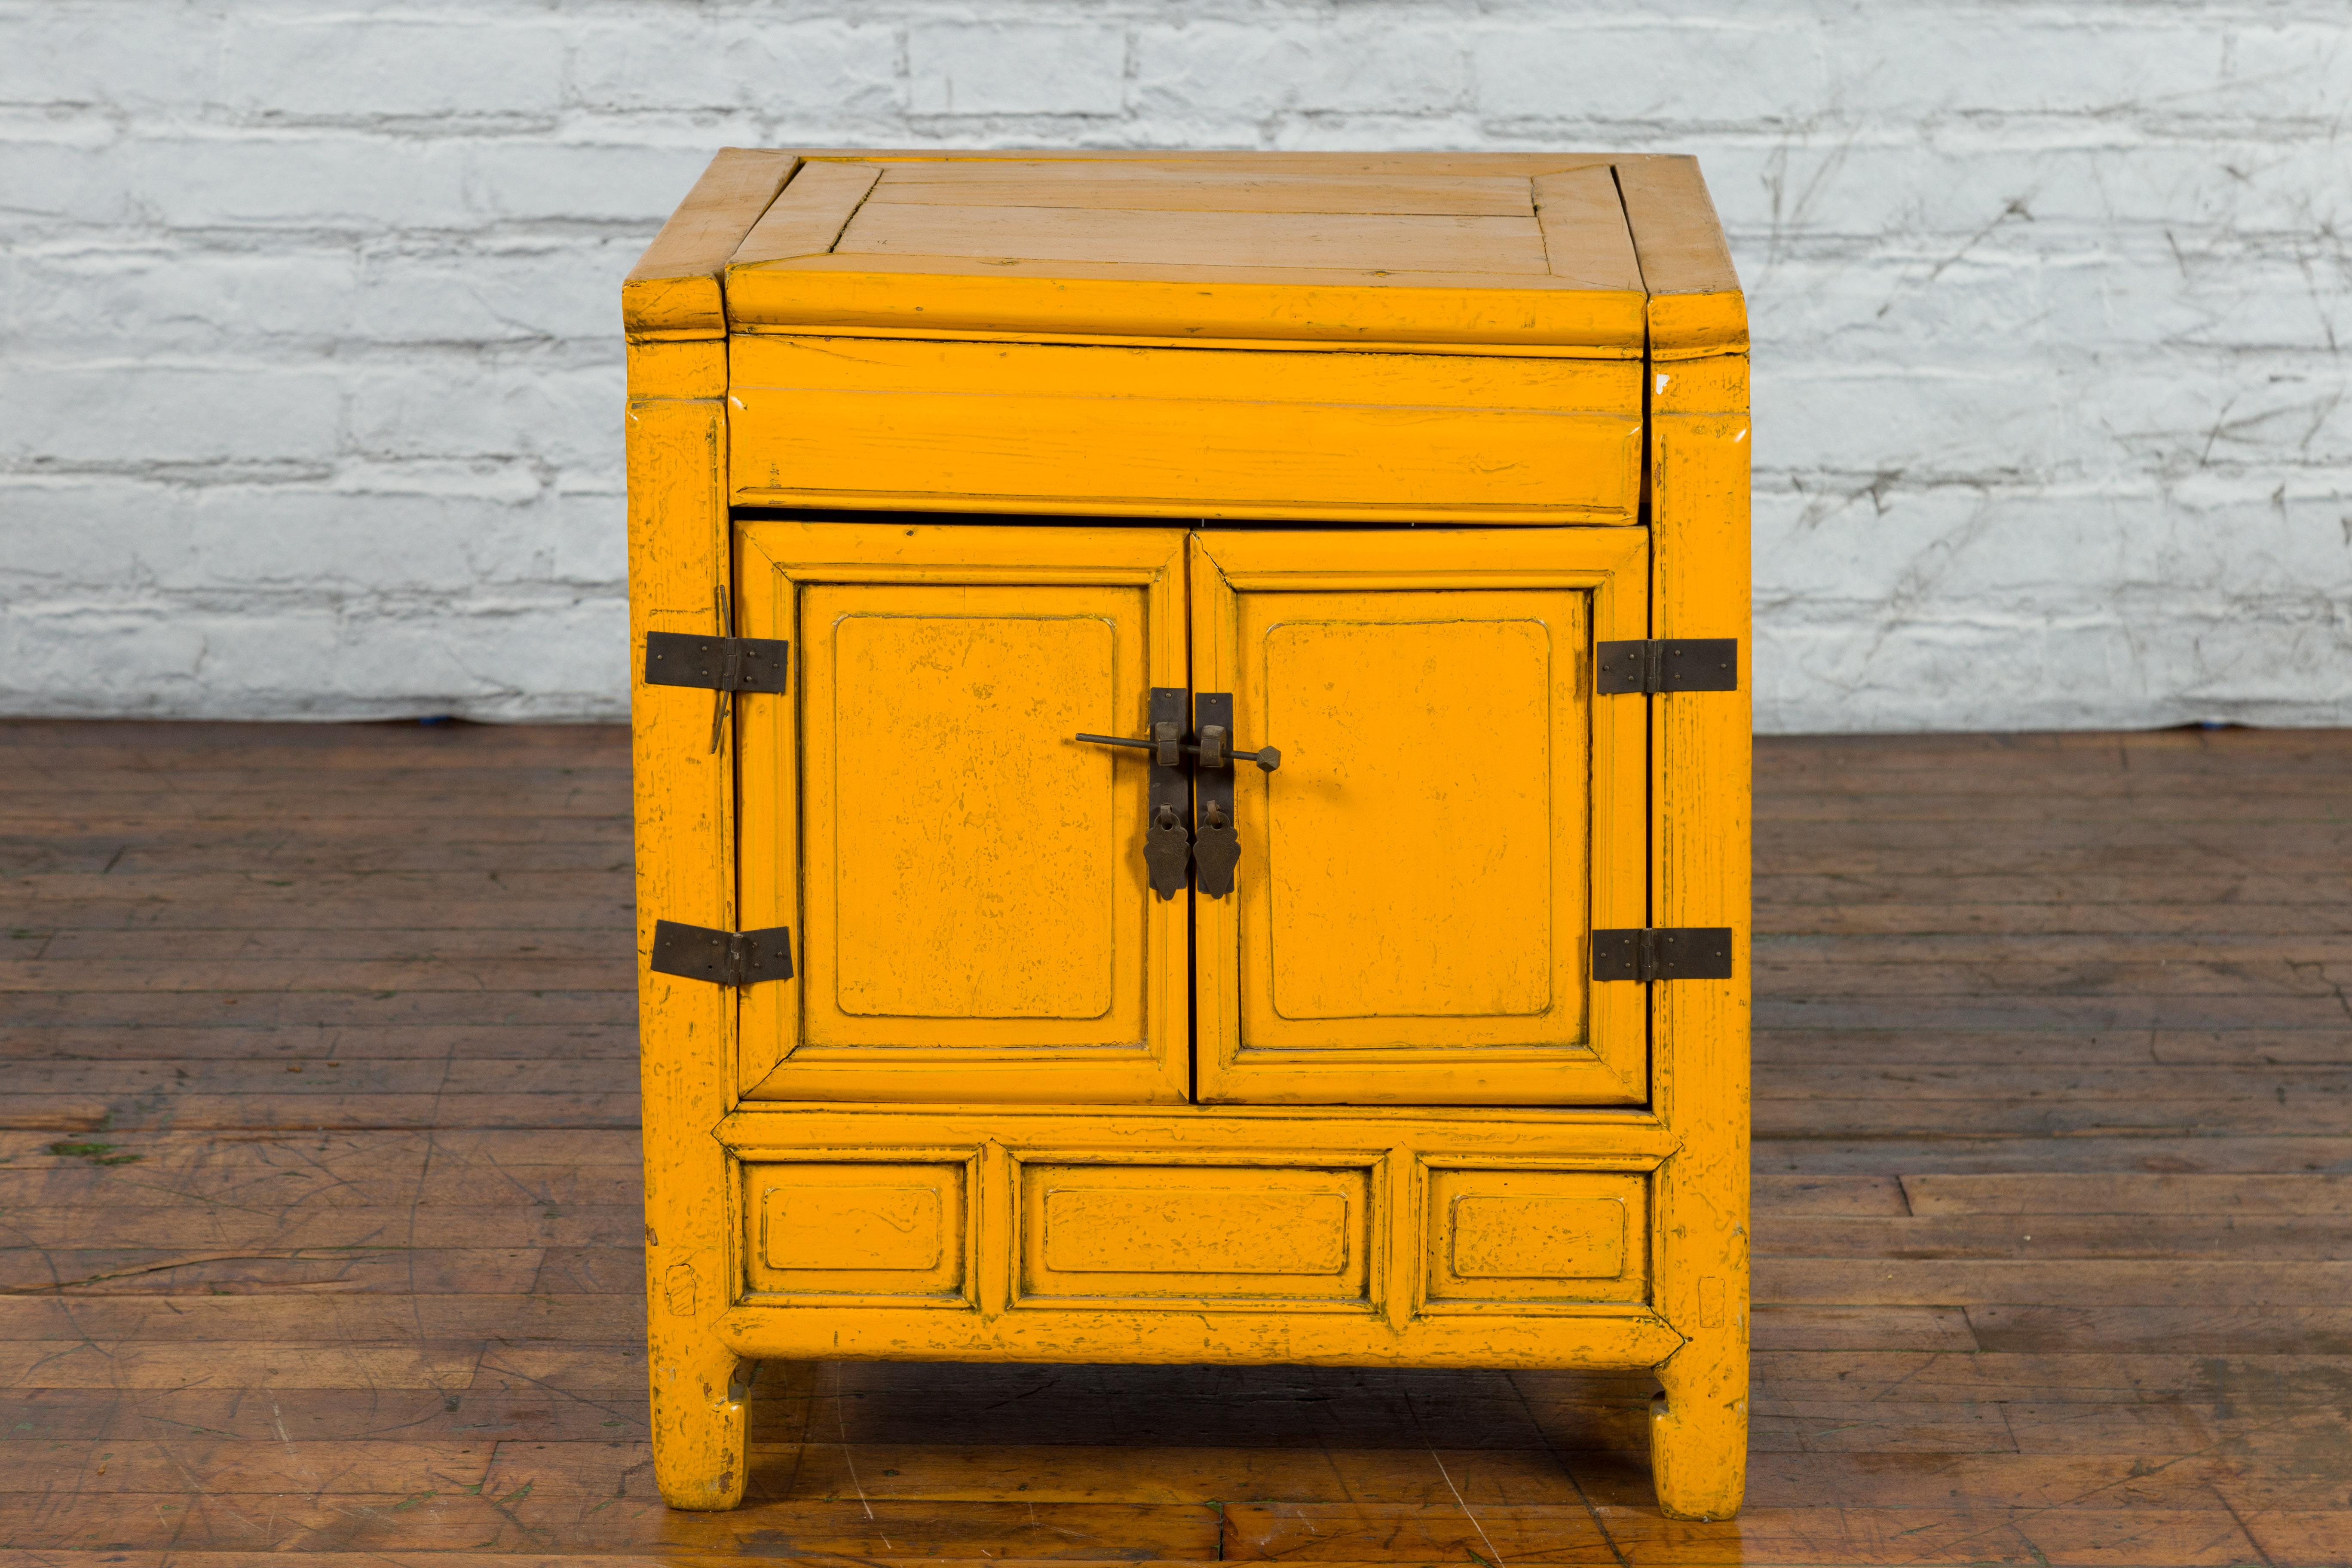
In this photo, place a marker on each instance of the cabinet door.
(1454, 815)
(965, 882)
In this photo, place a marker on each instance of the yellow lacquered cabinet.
(1384, 1000)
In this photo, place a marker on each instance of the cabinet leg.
(1699, 1432)
(701, 1451)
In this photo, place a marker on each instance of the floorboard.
(319, 1197)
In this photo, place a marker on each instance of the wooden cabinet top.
(1578, 255)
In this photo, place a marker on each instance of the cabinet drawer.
(1530, 1236)
(1195, 1233)
(1101, 428)
(835, 1229)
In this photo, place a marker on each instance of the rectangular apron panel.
(973, 918)
(1195, 1233)
(893, 1231)
(1455, 811)
(1521, 1237)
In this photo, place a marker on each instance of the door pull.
(1167, 850)
(1217, 850)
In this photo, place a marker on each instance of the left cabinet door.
(965, 882)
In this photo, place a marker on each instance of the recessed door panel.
(966, 881)
(1454, 812)
(974, 864)
(1414, 879)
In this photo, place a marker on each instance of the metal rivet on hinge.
(722, 957)
(1652, 666)
(717, 663)
(1662, 952)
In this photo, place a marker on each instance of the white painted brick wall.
(309, 398)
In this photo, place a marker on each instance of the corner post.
(679, 577)
(1701, 751)
(1701, 765)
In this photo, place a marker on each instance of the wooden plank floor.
(318, 1196)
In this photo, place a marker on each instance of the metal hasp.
(1662, 952)
(722, 957)
(1217, 848)
(1169, 841)
(1168, 811)
(1168, 832)
(1653, 664)
(716, 664)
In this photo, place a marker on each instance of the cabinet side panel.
(1701, 830)
(677, 530)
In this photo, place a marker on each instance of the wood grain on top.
(1696, 305)
(1205, 246)
(808, 217)
(1185, 236)
(673, 290)
(1178, 185)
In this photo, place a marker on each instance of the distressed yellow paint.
(673, 290)
(1454, 815)
(684, 367)
(958, 871)
(1195, 1233)
(1416, 881)
(685, 799)
(875, 422)
(1371, 1108)
(893, 1231)
(1537, 1239)
(1700, 827)
(1537, 1235)
(928, 756)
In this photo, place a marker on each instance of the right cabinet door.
(1454, 815)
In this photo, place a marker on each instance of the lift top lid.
(1561, 253)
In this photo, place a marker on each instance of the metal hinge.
(1662, 952)
(1665, 663)
(722, 957)
(716, 664)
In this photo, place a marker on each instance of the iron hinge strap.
(1662, 952)
(716, 664)
(722, 957)
(1653, 665)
